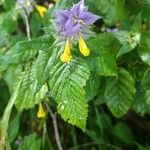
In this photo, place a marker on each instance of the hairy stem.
(27, 26)
(54, 120)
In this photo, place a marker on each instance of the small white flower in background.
(29, 5)
(26, 4)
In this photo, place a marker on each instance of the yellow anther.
(41, 9)
(81, 22)
(41, 112)
(85, 51)
(66, 55)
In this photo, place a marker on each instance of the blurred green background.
(105, 130)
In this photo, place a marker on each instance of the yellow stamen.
(81, 22)
(66, 55)
(41, 112)
(85, 51)
(41, 9)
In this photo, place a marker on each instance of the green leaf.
(128, 40)
(141, 147)
(9, 4)
(123, 133)
(119, 7)
(12, 75)
(148, 99)
(102, 58)
(45, 61)
(137, 24)
(111, 10)
(26, 50)
(100, 97)
(66, 83)
(31, 142)
(146, 79)
(146, 86)
(8, 22)
(28, 95)
(35, 24)
(120, 93)
(106, 8)
(145, 11)
(144, 48)
(92, 86)
(93, 135)
(13, 128)
(103, 121)
(139, 105)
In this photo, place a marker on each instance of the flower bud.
(41, 112)
(41, 9)
(85, 51)
(66, 55)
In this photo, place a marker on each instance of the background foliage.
(106, 95)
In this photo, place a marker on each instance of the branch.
(54, 120)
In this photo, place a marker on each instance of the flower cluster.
(28, 5)
(73, 23)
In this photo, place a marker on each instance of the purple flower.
(70, 22)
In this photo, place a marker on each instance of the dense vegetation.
(63, 90)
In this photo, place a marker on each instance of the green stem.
(8, 109)
(4, 143)
(44, 135)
